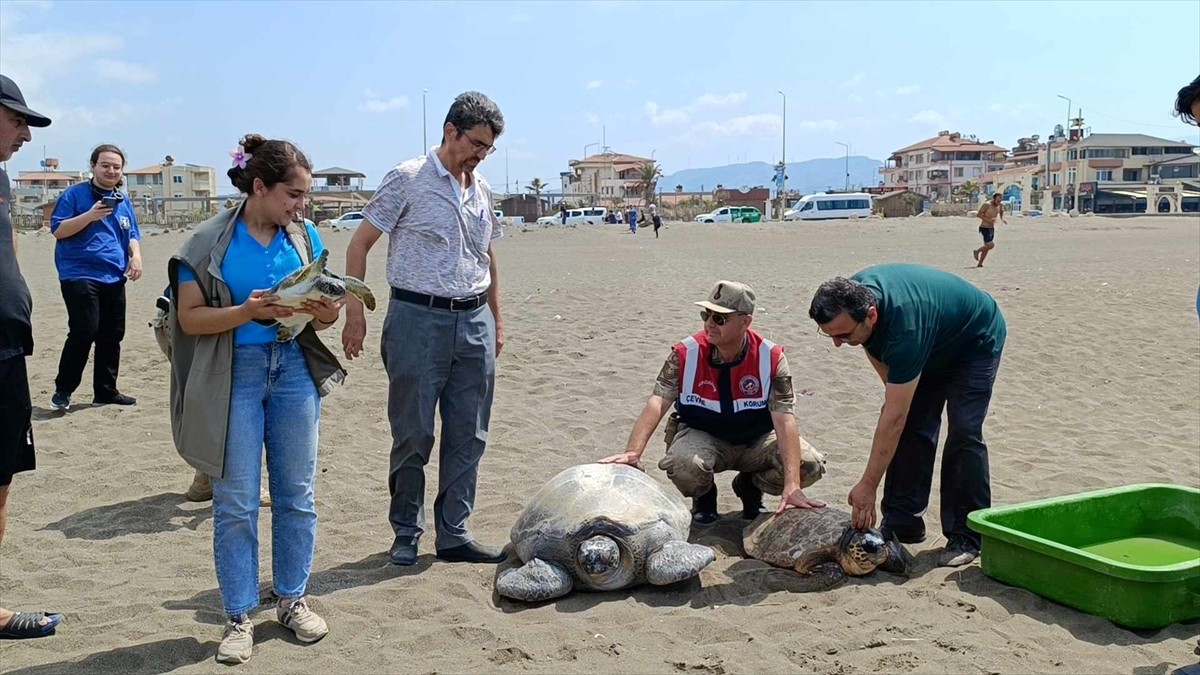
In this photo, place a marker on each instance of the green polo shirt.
(929, 320)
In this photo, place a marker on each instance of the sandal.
(25, 625)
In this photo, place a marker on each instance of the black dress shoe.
(704, 507)
(403, 551)
(912, 536)
(119, 399)
(751, 496)
(472, 552)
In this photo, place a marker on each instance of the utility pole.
(783, 178)
(424, 125)
(847, 146)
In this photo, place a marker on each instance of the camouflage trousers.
(694, 456)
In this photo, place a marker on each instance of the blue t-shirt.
(250, 266)
(100, 251)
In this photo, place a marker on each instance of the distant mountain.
(813, 175)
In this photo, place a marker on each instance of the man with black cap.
(732, 393)
(16, 343)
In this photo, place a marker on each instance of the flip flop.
(24, 625)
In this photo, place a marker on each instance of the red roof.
(951, 143)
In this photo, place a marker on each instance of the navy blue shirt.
(250, 266)
(100, 251)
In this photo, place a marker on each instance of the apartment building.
(170, 187)
(602, 178)
(936, 167)
(1122, 173)
(34, 188)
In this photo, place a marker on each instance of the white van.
(828, 206)
(592, 215)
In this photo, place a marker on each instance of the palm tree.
(969, 189)
(536, 186)
(648, 175)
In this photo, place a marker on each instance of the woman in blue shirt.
(270, 393)
(96, 250)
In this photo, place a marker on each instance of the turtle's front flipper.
(361, 291)
(676, 561)
(822, 577)
(534, 581)
(287, 333)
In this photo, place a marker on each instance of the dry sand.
(1100, 386)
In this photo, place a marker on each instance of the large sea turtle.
(820, 545)
(600, 527)
(312, 282)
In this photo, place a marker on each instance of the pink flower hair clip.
(240, 157)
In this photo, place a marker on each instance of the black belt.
(452, 304)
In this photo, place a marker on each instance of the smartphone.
(109, 202)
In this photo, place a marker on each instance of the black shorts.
(16, 428)
(657, 222)
(989, 233)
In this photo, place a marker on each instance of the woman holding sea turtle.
(237, 384)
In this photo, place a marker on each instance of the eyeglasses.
(842, 336)
(479, 146)
(717, 317)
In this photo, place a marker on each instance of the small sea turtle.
(821, 545)
(312, 282)
(600, 527)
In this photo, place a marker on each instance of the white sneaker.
(237, 643)
(303, 621)
(957, 554)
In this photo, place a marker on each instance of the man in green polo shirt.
(935, 341)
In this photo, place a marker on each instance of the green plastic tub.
(1129, 554)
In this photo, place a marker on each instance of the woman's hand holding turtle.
(260, 305)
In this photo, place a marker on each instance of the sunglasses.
(717, 317)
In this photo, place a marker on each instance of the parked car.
(731, 214)
(827, 207)
(592, 215)
(347, 221)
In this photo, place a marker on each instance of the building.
(936, 167)
(1122, 173)
(1019, 181)
(603, 179)
(35, 188)
(337, 179)
(172, 188)
(755, 196)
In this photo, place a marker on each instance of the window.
(1177, 151)
(1070, 176)
(1104, 175)
(178, 180)
(1054, 178)
(807, 207)
(958, 172)
(1054, 157)
(179, 195)
(1131, 175)
(1106, 154)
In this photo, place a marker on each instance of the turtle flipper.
(822, 577)
(361, 291)
(676, 561)
(288, 333)
(534, 581)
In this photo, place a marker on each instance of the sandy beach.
(1099, 387)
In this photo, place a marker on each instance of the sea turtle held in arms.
(600, 527)
(312, 282)
(820, 545)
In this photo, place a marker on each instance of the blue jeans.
(444, 359)
(965, 392)
(274, 401)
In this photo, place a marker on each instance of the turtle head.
(599, 556)
(861, 551)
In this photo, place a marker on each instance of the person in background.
(991, 211)
(96, 252)
(1187, 106)
(236, 388)
(631, 218)
(16, 344)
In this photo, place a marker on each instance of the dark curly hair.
(1188, 96)
(109, 147)
(841, 295)
(470, 109)
(271, 161)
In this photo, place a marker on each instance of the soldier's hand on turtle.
(796, 499)
(631, 458)
(260, 305)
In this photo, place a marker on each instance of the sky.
(695, 84)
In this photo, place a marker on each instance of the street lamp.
(783, 177)
(424, 125)
(1068, 127)
(652, 154)
(847, 146)
(1066, 144)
